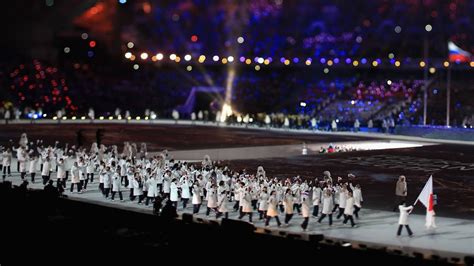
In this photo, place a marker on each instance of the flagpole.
(448, 95)
(425, 77)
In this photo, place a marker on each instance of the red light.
(94, 10)
(146, 8)
(194, 38)
(92, 44)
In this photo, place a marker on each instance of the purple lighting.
(348, 60)
(322, 60)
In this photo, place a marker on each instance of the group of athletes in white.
(158, 178)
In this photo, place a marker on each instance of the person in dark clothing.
(80, 138)
(50, 190)
(169, 211)
(51, 195)
(61, 187)
(23, 187)
(98, 136)
(157, 205)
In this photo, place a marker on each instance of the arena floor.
(452, 166)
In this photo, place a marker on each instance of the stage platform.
(377, 166)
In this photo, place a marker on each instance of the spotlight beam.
(226, 107)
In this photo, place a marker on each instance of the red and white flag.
(426, 195)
